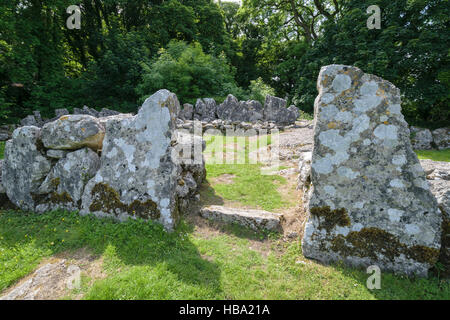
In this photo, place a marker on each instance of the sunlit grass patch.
(435, 155)
(142, 261)
(250, 185)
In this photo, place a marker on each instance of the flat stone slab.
(253, 219)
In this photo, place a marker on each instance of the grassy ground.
(143, 262)
(435, 155)
(247, 183)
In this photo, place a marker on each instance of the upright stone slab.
(205, 109)
(275, 110)
(227, 108)
(370, 202)
(137, 177)
(25, 167)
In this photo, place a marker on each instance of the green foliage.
(410, 50)
(126, 49)
(189, 72)
(258, 90)
(44, 66)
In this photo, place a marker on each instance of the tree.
(189, 72)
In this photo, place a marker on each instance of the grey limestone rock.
(25, 167)
(421, 139)
(370, 202)
(71, 132)
(137, 177)
(253, 219)
(64, 185)
(441, 138)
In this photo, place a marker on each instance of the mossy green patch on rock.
(60, 197)
(107, 199)
(371, 242)
(55, 182)
(328, 219)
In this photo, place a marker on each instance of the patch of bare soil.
(54, 277)
(223, 179)
(294, 216)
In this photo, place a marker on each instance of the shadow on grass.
(398, 286)
(209, 197)
(127, 244)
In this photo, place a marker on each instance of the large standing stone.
(2, 188)
(64, 185)
(187, 113)
(441, 190)
(227, 108)
(29, 120)
(248, 111)
(25, 167)
(421, 139)
(275, 110)
(137, 177)
(441, 138)
(205, 110)
(370, 202)
(72, 132)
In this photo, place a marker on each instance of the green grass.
(435, 155)
(143, 262)
(2, 149)
(250, 186)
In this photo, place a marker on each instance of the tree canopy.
(127, 49)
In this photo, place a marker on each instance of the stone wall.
(117, 166)
(233, 110)
(369, 202)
